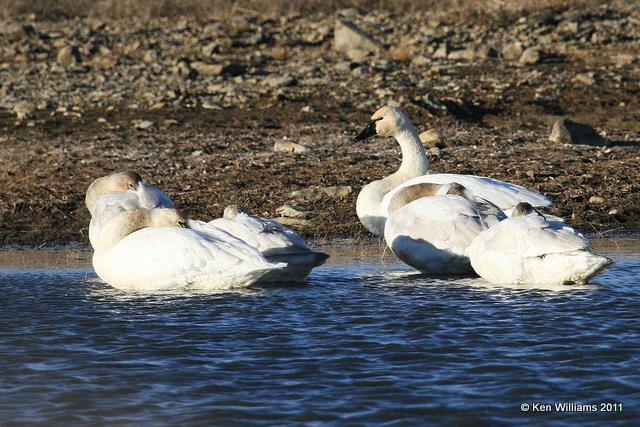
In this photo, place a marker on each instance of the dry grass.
(65, 9)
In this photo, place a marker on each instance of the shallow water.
(366, 341)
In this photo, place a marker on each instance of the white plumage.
(433, 234)
(161, 258)
(275, 242)
(527, 249)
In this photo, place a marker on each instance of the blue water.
(365, 342)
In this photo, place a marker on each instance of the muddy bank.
(137, 96)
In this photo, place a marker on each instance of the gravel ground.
(197, 106)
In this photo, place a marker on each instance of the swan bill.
(367, 132)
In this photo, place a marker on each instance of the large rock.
(353, 42)
(566, 131)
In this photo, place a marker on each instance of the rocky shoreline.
(260, 111)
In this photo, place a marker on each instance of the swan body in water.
(528, 249)
(373, 199)
(157, 249)
(431, 226)
(111, 195)
(274, 241)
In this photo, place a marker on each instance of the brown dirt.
(211, 158)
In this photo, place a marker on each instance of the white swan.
(527, 249)
(274, 241)
(150, 250)
(431, 226)
(372, 206)
(110, 195)
(116, 193)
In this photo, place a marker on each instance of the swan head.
(231, 211)
(165, 217)
(524, 208)
(387, 121)
(116, 182)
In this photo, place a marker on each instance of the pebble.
(286, 146)
(292, 211)
(143, 124)
(532, 55)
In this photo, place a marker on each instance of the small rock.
(196, 153)
(434, 151)
(183, 68)
(207, 69)
(310, 194)
(623, 59)
(512, 51)
(430, 137)
(613, 212)
(596, 200)
(278, 52)
(471, 54)
(286, 146)
(442, 51)
(401, 53)
(24, 110)
(349, 37)
(588, 79)
(292, 211)
(531, 174)
(338, 191)
(143, 124)
(566, 131)
(69, 56)
(279, 81)
(420, 60)
(532, 55)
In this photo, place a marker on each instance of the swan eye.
(131, 186)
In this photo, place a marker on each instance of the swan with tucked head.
(111, 195)
(274, 241)
(528, 249)
(158, 249)
(373, 200)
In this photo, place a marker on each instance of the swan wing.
(450, 222)
(151, 197)
(504, 195)
(266, 235)
(532, 236)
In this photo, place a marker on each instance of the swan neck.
(120, 227)
(414, 158)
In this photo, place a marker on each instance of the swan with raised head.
(113, 194)
(373, 200)
(431, 226)
(274, 241)
(157, 249)
(528, 249)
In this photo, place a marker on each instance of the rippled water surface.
(366, 341)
